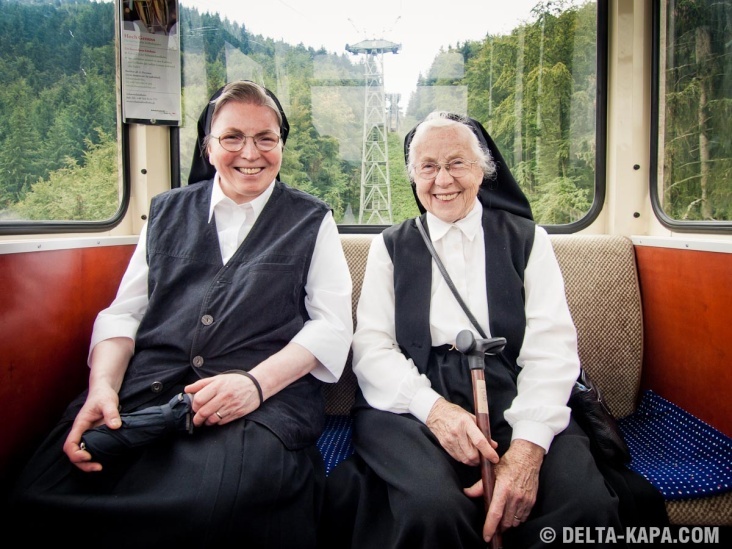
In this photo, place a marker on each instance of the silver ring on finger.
(219, 415)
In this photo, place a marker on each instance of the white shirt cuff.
(533, 431)
(423, 402)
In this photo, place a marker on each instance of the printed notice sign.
(150, 51)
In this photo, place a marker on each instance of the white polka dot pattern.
(335, 444)
(678, 453)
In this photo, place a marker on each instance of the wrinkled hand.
(517, 482)
(101, 406)
(458, 433)
(222, 398)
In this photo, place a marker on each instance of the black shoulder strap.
(446, 275)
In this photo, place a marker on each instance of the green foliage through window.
(534, 88)
(695, 115)
(58, 150)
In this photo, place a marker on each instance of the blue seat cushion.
(683, 457)
(335, 443)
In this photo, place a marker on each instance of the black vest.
(206, 317)
(508, 242)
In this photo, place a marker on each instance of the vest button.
(198, 361)
(156, 386)
(207, 320)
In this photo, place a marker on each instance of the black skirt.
(402, 490)
(234, 485)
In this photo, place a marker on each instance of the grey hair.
(442, 119)
(246, 92)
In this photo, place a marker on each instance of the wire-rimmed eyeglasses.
(234, 142)
(455, 168)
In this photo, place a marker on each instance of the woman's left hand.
(517, 483)
(222, 398)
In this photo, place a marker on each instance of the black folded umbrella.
(139, 428)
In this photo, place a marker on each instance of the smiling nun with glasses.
(239, 295)
(415, 479)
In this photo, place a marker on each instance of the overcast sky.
(422, 27)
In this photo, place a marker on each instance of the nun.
(415, 479)
(239, 296)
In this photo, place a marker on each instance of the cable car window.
(692, 177)
(59, 152)
(354, 78)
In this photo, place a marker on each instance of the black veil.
(498, 192)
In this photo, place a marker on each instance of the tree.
(697, 156)
(88, 192)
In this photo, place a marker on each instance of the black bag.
(593, 415)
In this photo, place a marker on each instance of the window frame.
(601, 124)
(656, 143)
(123, 133)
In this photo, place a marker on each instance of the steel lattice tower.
(375, 185)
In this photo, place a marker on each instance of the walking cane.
(475, 350)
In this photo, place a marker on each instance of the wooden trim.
(687, 310)
(50, 300)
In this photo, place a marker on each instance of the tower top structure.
(372, 47)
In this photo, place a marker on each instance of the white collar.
(469, 225)
(218, 196)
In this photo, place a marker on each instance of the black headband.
(500, 191)
(201, 168)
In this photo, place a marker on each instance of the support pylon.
(375, 205)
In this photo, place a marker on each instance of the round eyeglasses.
(455, 168)
(234, 142)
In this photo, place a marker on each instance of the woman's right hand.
(458, 433)
(101, 406)
(109, 360)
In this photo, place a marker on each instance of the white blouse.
(548, 358)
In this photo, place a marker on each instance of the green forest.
(534, 89)
(58, 130)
